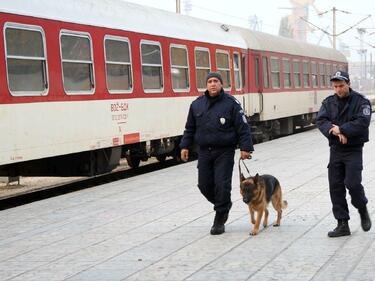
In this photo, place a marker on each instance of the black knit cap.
(214, 74)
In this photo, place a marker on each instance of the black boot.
(219, 221)
(365, 219)
(342, 229)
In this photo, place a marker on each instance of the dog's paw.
(265, 225)
(276, 224)
(253, 232)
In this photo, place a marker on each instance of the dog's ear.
(256, 178)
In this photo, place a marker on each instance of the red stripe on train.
(131, 138)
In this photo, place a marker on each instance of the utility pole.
(178, 7)
(371, 67)
(334, 27)
(362, 52)
(334, 34)
(188, 7)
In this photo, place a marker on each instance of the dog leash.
(239, 166)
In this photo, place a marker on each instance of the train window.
(322, 80)
(275, 72)
(203, 66)
(297, 73)
(334, 68)
(243, 73)
(222, 63)
(152, 67)
(25, 60)
(179, 68)
(328, 74)
(306, 74)
(237, 70)
(314, 74)
(257, 72)
(266, 80)
(287, 73)
(118, 64)
(77, 63)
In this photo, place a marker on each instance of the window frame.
(156, 43)
(334, 68)
(180, 46)
(322, 74)
(220, 51)
(298, 73)
(122, 39)
(309, 82)
(287, 60)
(328, 73)
(92, 76)
(239, 71)
(266, 72)
(200, 67)
(29, 27)
(314, 74)
(272, 72)
(243, 70)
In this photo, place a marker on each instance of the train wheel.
(161, 158)
(133, 161)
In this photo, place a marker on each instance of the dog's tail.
(284, 204)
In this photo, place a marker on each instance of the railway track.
(57, 188)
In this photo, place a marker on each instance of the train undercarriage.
(267, 130)
(102, 161)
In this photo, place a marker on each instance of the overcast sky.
(270, 12)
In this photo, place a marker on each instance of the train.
(85, 83)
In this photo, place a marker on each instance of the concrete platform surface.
(156, 227)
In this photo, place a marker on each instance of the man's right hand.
(184, 154)
(245, 155)
(343, 139)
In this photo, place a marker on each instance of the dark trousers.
(345, 171)
(215, 168)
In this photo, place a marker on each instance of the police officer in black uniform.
(217, 124)
(344, 118)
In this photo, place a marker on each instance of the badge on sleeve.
(222, 120)
(366, 110)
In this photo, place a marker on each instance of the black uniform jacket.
(217, 122)
(353, 120)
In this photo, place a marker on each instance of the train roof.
(266, 42)
(118, 14)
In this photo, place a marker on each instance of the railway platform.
(156, 227)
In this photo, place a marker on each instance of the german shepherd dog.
(257, 192)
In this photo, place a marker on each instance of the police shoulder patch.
(366, 110)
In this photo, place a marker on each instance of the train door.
(255, 98)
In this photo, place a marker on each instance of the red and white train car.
(84, 82)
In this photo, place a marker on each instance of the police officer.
(216, 123)
(344, 118)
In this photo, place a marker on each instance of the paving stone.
(156, 227)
